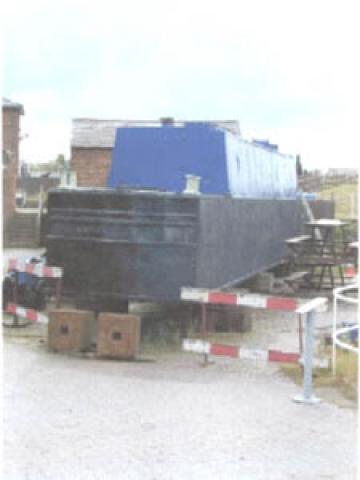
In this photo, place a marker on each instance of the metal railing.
(341, 294)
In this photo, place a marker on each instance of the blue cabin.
(160, 158)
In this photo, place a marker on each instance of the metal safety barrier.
(21, 266)
(299, 306)
(341, 295)
(27, 313)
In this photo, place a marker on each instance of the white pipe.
(334, 336)
(339, 295)
(344, 345)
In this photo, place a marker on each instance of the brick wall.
(11, 131)
(91, 165)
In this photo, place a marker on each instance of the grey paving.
(77, 418)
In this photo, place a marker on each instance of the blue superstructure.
(160, 157)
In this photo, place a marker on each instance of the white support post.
(309, 309)
(307, 395)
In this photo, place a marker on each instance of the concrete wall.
(91, 165)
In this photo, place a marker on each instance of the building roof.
(95, 133)
(9, 104)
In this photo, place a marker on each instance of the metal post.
(307, 395)
(203, 321)
(301, 348)
(204, 330)
(58, 292)
(308, 354)
(15, 318)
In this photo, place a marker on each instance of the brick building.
(93, 141)
(11, 113)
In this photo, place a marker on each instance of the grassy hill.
(346, 199)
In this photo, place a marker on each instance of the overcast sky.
(285, 69)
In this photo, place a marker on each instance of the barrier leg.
(58, 292)
(204, 331)
(307, 395)
(301, 347)
(15, 318)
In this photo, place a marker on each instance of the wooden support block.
(118, 335)
(70, 330)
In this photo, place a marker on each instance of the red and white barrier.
(39, 270)
(36, 269)
(28, 313)
(253, 300)
(207, 348)
(301, 307)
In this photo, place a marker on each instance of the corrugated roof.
(6, 103)
(96, 133)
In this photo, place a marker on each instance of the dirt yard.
(165, 417)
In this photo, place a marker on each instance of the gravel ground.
(78, 418)
(166, 417)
